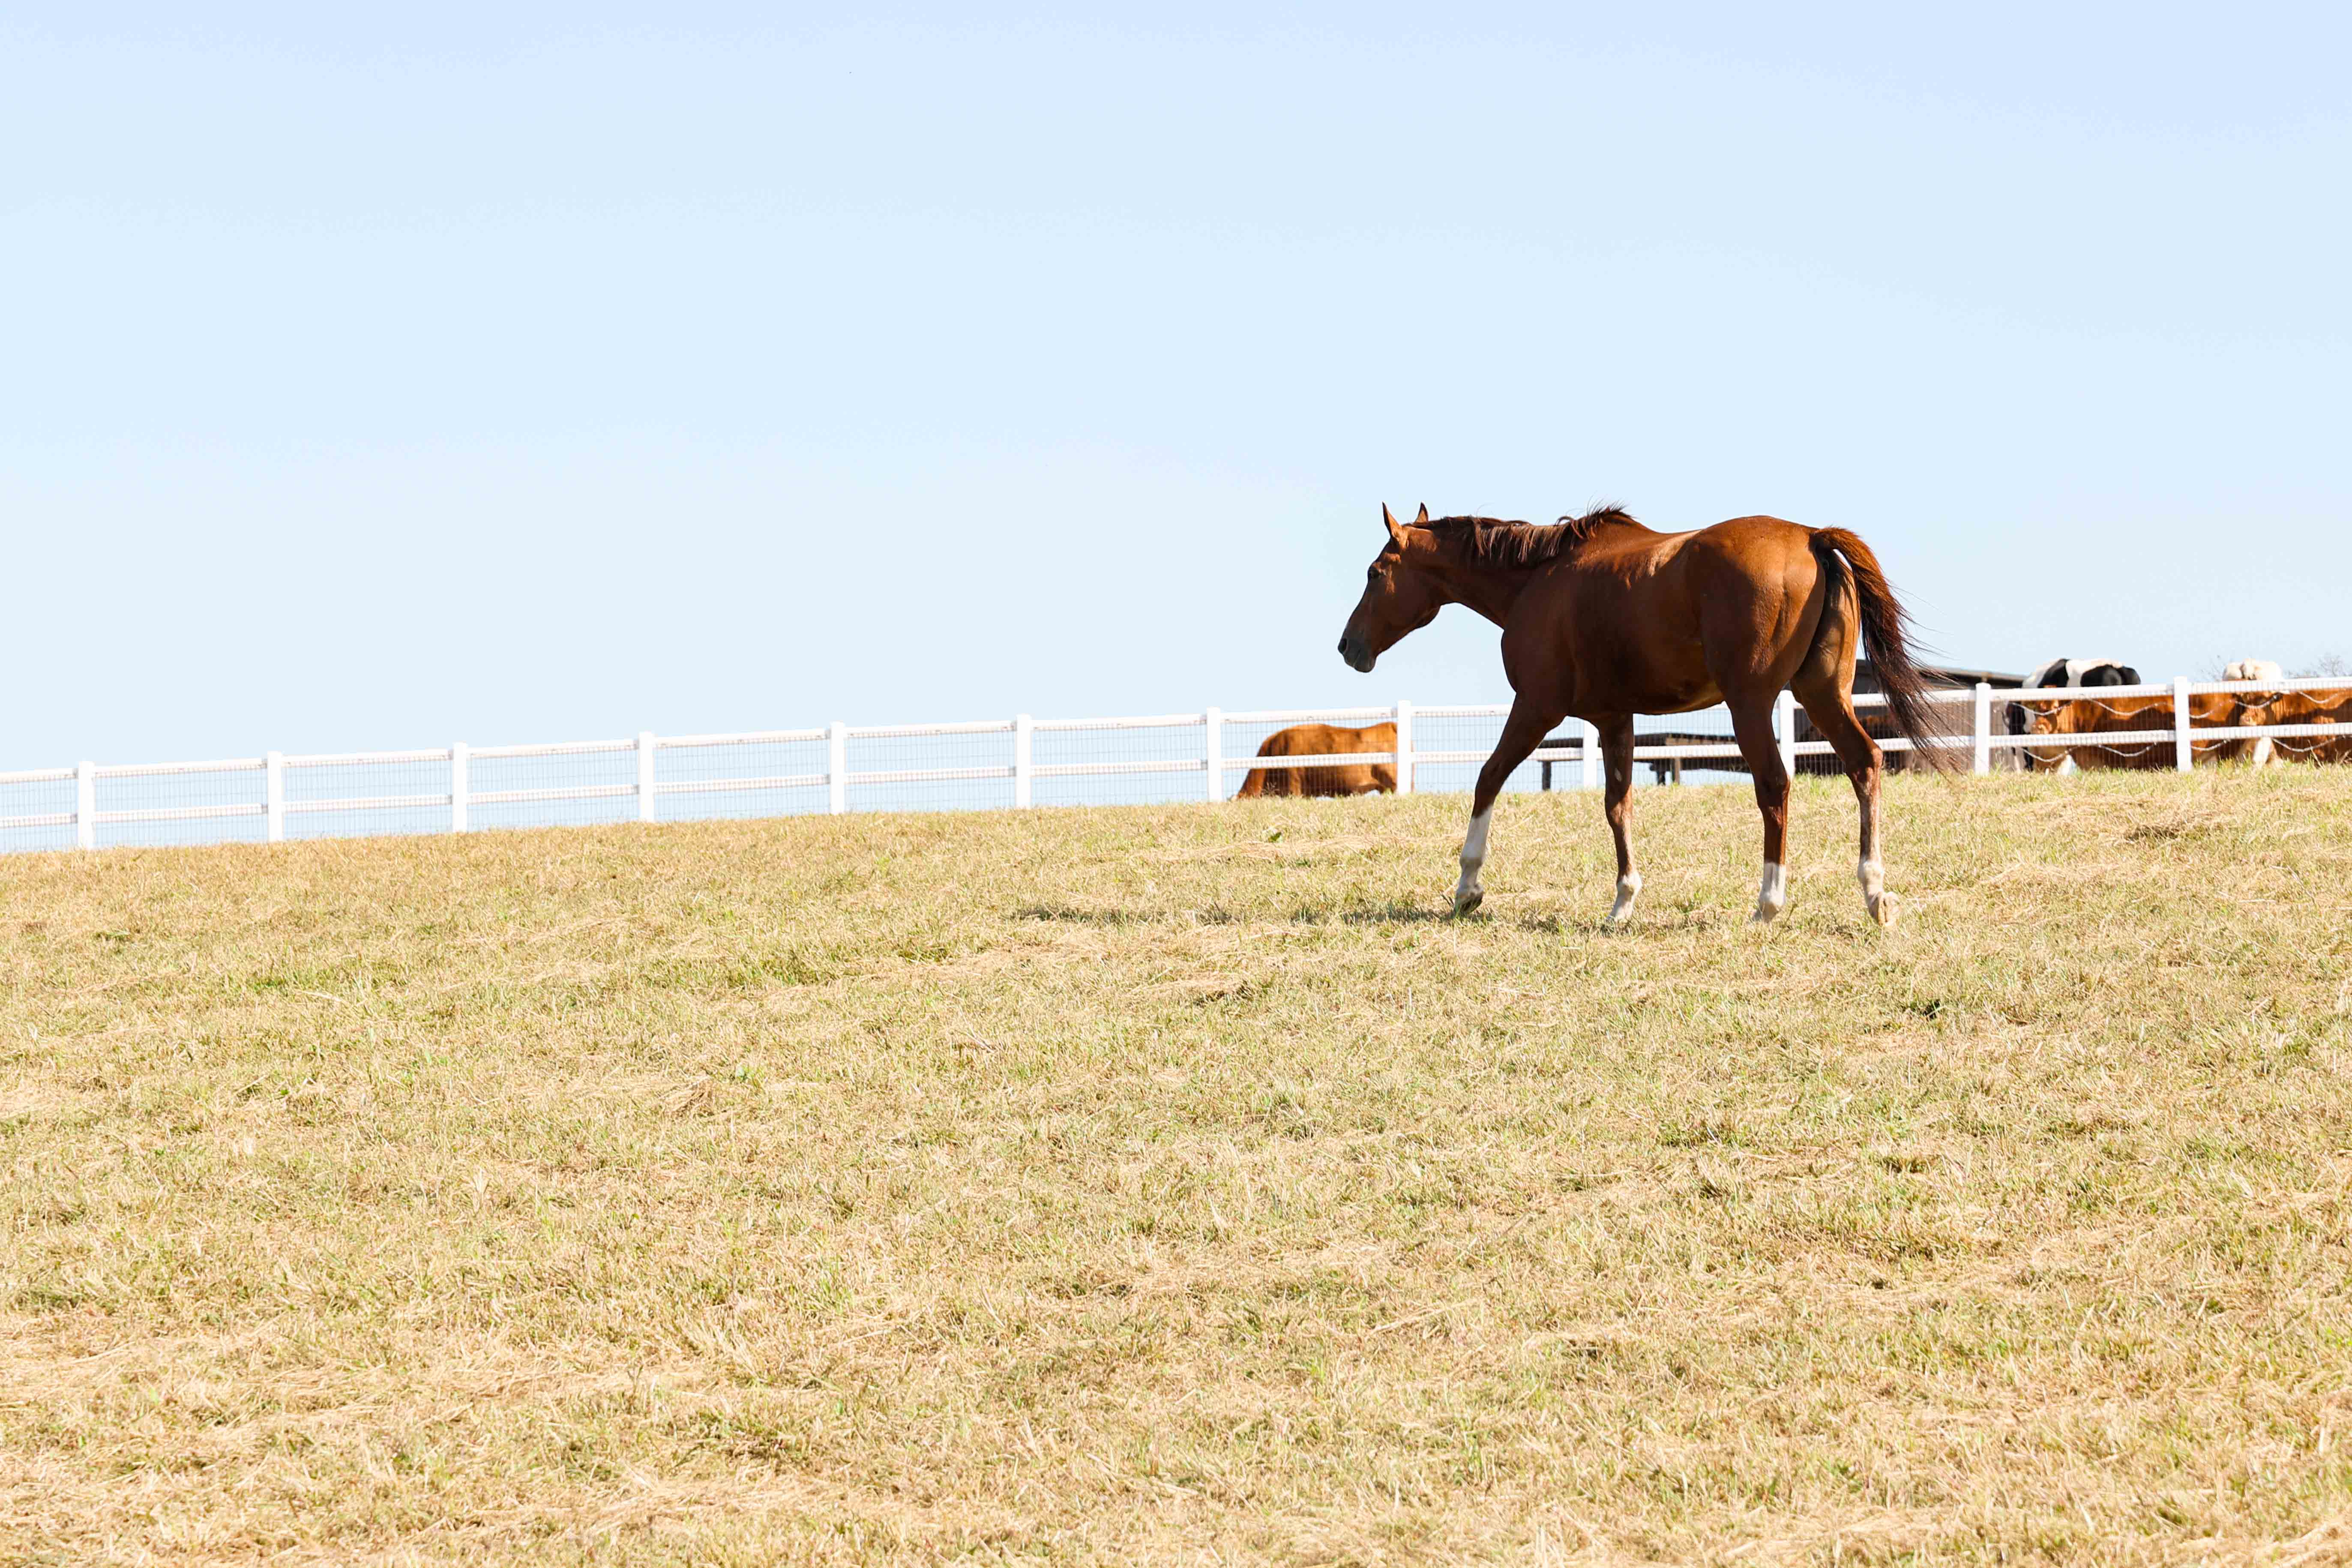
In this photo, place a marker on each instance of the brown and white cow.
(2257, 669)
(2327, 707)
(2067, 673)
(2118, 715)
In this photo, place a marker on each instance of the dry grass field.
(1174, 1185)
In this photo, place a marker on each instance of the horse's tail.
(1885, 627)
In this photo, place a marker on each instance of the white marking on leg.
(1873, 877)
(1772, 894)
(1466, 892)
(2262, 752)
(1628, 888)
(2066, 764)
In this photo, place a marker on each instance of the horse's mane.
(1492, 541)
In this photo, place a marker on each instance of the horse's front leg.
(1467, 893)
(1617, 804)
(1523, 731)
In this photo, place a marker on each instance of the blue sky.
(564, 372)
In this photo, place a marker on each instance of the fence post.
(457, 786)
(1784, 733)
(1982, 759)
(1023, 767)
(1404, 747)
(86, 806)
(837, 767)
(2181, 757)
(646, 777)
(1587, 754)
(1214, 725)
(273, 797)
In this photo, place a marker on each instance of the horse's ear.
(1423, 520)
(1396, 529)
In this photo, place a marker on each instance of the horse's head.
(1401, 596)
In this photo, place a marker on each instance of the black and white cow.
(2072, 672)
(2083, 672)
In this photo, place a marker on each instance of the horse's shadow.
(1544, 925)
(1556, 924)
(1071, 915)
(1393, 912)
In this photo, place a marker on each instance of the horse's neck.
(1490, 590)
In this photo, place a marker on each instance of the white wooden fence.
(1017, 762)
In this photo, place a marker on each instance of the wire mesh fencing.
(931, 767)
(37, 810)
(1147, 760)
(777, 773)
(1450, 744)
(1184, 757)
(361, 794)
(574, 785)
(180, 803)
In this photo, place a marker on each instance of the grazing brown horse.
(1324, 741)
(1603, 618)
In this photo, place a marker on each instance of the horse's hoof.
(1466, 902)
(1881, 908)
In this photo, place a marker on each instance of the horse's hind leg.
(1617, 761)
(1831, 708)
(1751, 725)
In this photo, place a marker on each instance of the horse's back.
(1735, 536)
(1299, 741)
(1667, 622)
(1325, 741)
(1735, 558)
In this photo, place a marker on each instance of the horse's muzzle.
(1358, 657)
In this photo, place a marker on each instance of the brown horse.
(1603, 618)
(1324, 741)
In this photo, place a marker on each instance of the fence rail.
(1018, 763)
